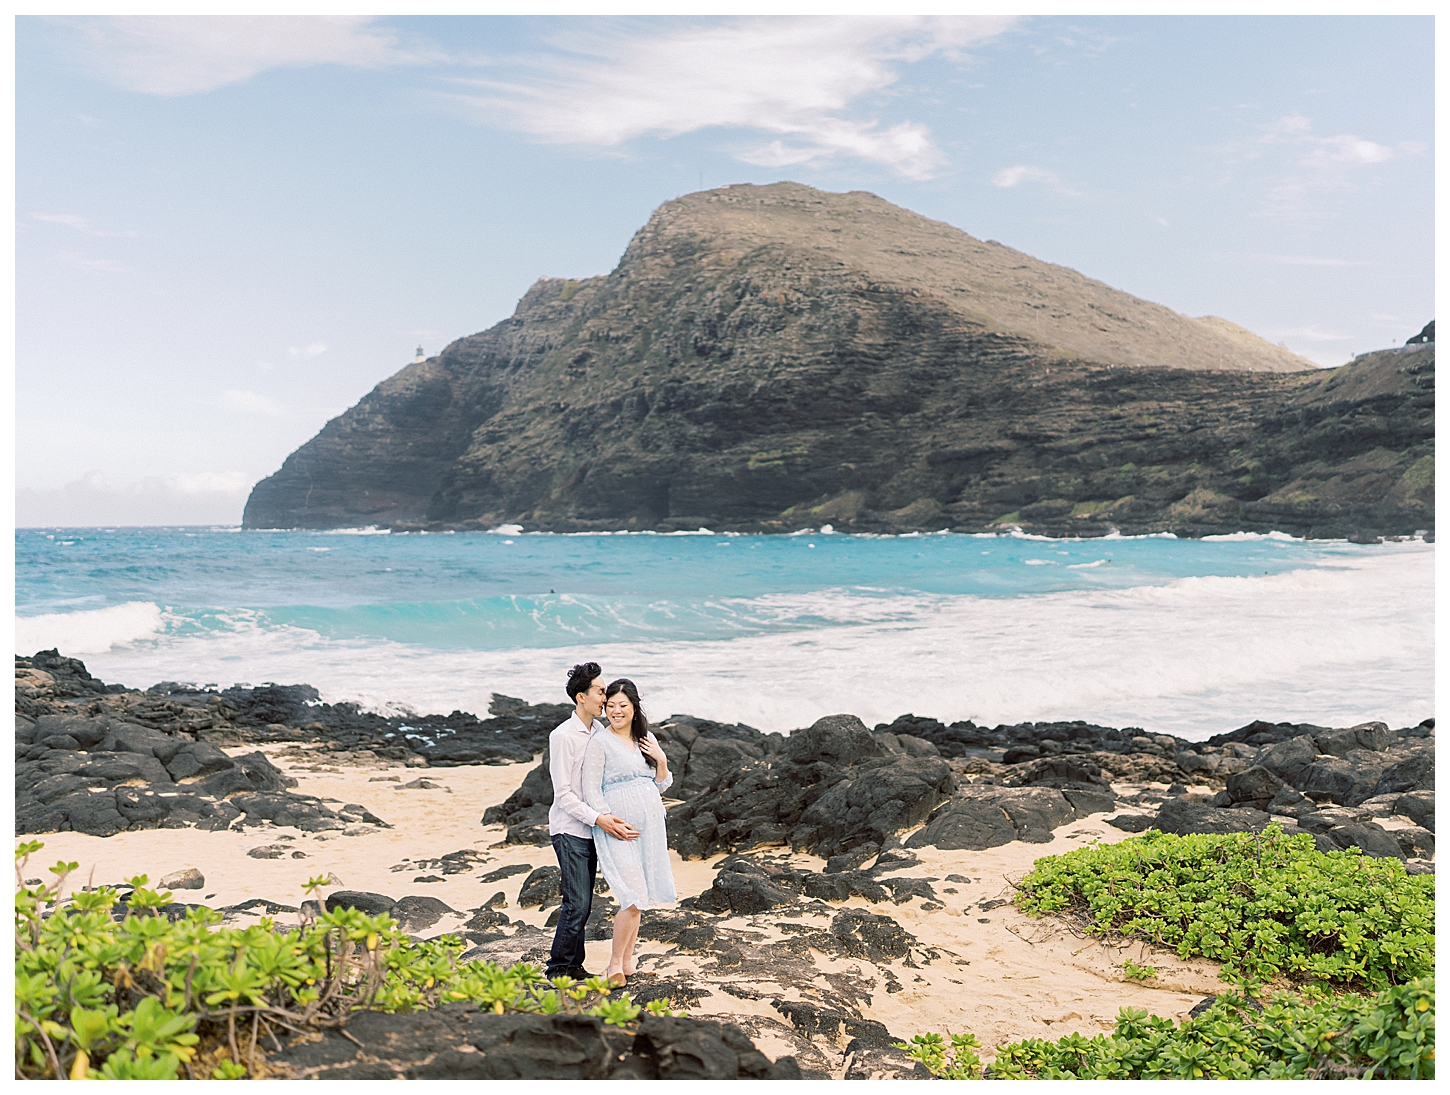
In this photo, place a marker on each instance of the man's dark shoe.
(579, 973)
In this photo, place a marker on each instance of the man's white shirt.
(570, 814)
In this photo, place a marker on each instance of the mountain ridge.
(766, 358)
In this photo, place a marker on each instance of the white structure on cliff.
(419, 357)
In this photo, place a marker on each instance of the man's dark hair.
(581, 677)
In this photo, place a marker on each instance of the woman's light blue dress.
(618, 781)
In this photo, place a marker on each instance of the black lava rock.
(541, 889)
(1183, 816)
(373, 904)
(459, 1042)
(416, 914)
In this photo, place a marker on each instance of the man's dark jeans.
(577, 863)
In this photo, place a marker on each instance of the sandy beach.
(977, 963)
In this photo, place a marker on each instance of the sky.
(228, 229)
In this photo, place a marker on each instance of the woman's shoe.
(616, 978)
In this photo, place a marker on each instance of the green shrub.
(1263, 905)
(145, 996)
(1390, 1036)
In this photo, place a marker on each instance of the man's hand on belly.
(617, 827)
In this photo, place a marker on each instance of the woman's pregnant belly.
(635, 800)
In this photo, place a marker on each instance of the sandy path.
(1002, 975)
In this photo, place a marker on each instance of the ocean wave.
(1334, 643)
(89, 631)
(1246, 537)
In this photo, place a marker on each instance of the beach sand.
(997, 973)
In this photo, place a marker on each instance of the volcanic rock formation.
(103, 759)
(776, 357)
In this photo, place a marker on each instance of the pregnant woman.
(624, 772)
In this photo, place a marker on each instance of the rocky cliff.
(770, 358)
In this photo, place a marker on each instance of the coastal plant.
(1135, 972)
(1264, 905)
(1387, 1036)
(960, 1062)
(111, 987)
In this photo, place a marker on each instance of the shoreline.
(1015, 531)
(823, 934)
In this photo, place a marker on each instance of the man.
(572, 820)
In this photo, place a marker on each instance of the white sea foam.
(1241, 537)
(88, 632)
(1336, 643)
(370, 530)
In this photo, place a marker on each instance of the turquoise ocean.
(1191, 637)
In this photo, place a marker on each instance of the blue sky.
(229, 229)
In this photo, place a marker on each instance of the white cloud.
(1009, 177)
(95, 499)
(187, 54)
(1310, 260)
(1320, 165)
(80, 224)
(792, 78)
(245, 402)
(1289, 124)
(313, 349)
(1345, 149)
(87, 262)
(1312, 334)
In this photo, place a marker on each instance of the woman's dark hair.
(581, 677)
(639, 728)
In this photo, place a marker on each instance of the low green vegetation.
(1388, 1036)
(1348, 941)
(146, 997)
(1135, 972)
(1265, 905)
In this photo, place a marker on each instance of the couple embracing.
(607, 814)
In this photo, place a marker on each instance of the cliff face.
(777, 357)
